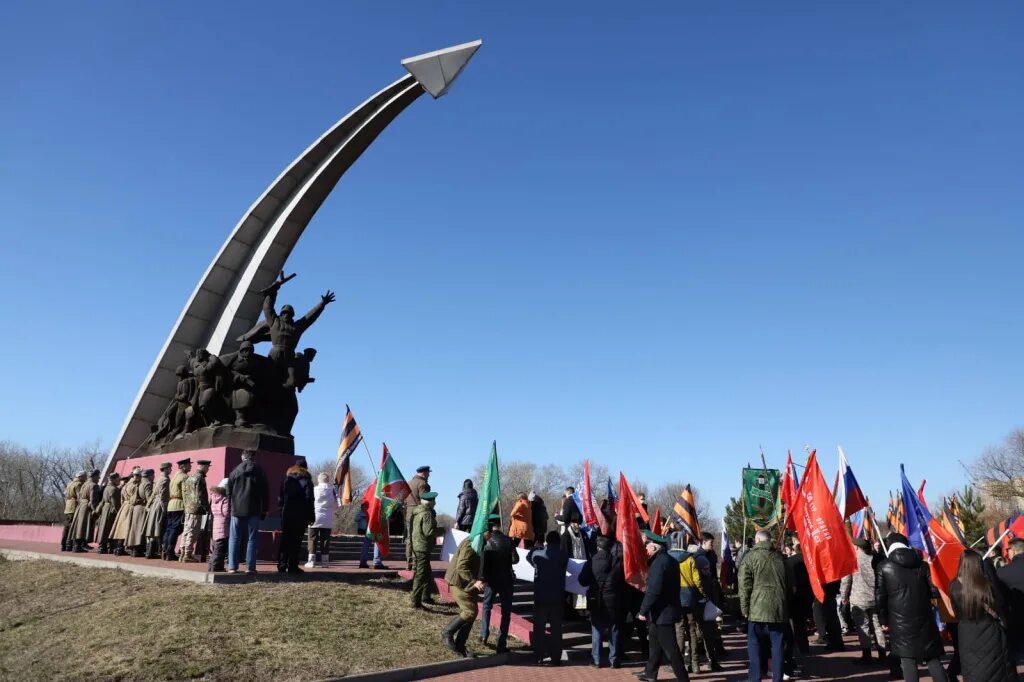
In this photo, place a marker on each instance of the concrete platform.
(345, 571)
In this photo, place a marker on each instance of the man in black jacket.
(250, 499)
(570, 511)
(903, 597)
(499, 556)
(661, 609)
(1011, 578)
(603, 577)
(801, 598)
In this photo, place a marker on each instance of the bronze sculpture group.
(244, 389)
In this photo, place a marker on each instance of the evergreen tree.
(972, 509)
(734, 521)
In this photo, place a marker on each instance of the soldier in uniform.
(123, 520)
(156, 513)
(70, 502)
(463, 576)
(424, 538)
(175, 509)
(81, 523)
(417, 486)
(197, 502)
(137, 530)
(107, 512)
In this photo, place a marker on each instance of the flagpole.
(976, 542)
(369, 457)
(878, 530)
(994, 544)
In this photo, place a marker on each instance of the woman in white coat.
(325, 502)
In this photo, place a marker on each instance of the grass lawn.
(67, 622)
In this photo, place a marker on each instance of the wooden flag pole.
(369, 457)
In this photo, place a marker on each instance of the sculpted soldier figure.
(247, 370)
(197, 502)
(210, 376)
(174, 421)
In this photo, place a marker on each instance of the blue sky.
(655, 236)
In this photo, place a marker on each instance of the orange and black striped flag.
(951, 519)
(351, 436)
(684, 511)
(894, 517)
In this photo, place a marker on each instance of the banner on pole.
(761, 501)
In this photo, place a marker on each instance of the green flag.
(761, 496)
(489, 492)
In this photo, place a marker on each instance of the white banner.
(523, 569)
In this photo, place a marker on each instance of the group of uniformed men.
(135, 516)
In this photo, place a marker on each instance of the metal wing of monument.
(226, 302)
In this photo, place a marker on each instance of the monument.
(209, 393)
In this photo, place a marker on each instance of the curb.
(140, 569)
(428, 671)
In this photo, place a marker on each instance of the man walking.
(196, 498)
(858, 593)
(549, 565)
(603, 577)
(424, 538)
(250, 499)
(764, 594)
(175, 509)
(465, 586)
(417, 486)
(903, 596)
(156, 514)
(499, 556)
(661, 609)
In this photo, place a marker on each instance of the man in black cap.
(196, 499)
(156, 512)
(175, 509)
(499, 556)
(661, 609)
(417, 486)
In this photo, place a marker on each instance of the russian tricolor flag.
(849, 497)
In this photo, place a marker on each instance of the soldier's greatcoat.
(81, 524)
(107, 512)
(129, 495)
(156, 508)
(71, 496)
(137, 527)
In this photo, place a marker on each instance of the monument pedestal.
(223, 460)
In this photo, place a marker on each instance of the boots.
(449, 633)
(880, 650)
(865, 657)
(119, 548)
(460, 639)
(152, 549)
(138, 551)
(78, 547)
(102, 549)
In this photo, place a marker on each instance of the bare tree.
(32, 481)
(999, 473)
(345, 516)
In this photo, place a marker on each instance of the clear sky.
(654, 236)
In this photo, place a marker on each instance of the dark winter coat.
(985, 654)
(903, 599)
(605, 582)
(539, 510)
(802, 594)
(295, 499)
(548, 573)
(467, 507)
(499, 555)
(248, 490)
(570, 512)
(1011, 579)
(661, 599)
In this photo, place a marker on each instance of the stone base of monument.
(222, 461)
(228, 436)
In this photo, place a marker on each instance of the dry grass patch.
(68, 622)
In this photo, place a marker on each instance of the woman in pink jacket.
(220, 507)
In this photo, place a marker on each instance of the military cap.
(148, 473)
(187, 460)
(164, 466)
(114, 474)
(203, 461)
(654, 537)
(494, 517)
(136, 471)
(428, 496)
(95, 472)
(422, 470)
(81, 472)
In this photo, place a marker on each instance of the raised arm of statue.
(268, 306)
(304, 322)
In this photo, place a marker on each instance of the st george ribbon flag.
(941, 548)
(351, 437)
(490, 492)
(389, 493)
(684, 513)
(634, 555)
(828, 550)
(849, 498)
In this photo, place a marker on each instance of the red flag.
(788, 493)
(920, 493)
(944, 564)
(828, 550)
(1016, 531)
(634, 555)
(656, 523)
(587, 497)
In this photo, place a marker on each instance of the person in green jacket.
(463, 577)
(764, 591)
(422, 538)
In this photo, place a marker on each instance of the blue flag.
(612, 498)
(918, 518)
